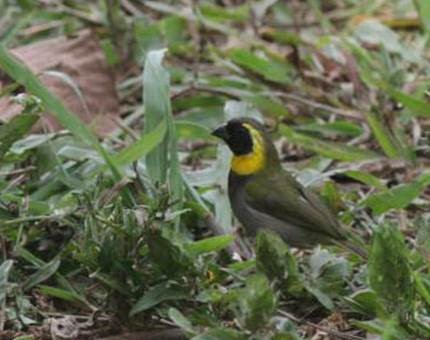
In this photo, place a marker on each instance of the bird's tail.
(360, 251)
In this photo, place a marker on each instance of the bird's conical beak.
(221, 132)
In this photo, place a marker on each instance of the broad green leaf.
(365, 301)
(211, 244)
(42, 274)
(78, 154)
(256, 302)
(327, 149)
(327, 276)
(164, 291)
(180, 320)
(398, 197)
(390, 275)
(167, 256)
(269, 69)
(30, 142)
(5, 268)
(322, 297)
(276, 262)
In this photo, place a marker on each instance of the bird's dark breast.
(237, 196)
(253, 220)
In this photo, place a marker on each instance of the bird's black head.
(236, 133)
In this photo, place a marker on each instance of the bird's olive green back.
(278, 194)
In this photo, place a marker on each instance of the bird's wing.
(281, 196)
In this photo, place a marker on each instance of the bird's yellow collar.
(254, 161)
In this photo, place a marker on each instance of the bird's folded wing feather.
(281, 196)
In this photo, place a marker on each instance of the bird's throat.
(248, 164)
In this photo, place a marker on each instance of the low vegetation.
(130, 230)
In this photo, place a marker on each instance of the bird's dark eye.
(240, 140)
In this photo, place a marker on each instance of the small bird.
(263, 195)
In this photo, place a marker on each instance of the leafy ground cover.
(133, 232)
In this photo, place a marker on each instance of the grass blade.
(142, 147)
(418, 107)
(43, 273)
(382, 135)
(162, 162)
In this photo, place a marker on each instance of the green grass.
(137, 228)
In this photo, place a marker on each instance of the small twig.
(37, 29)
(16, 181)
(203, 88)
(416, 131)
(80, 15)
(132, 9)
(18, 171)
(31, 219)
(188, 90)
(164, 321)
(108, 195)
(119, 123)
(363, 137)
(80, 317)
(355, 166)
(355, 115)
(334, 16)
